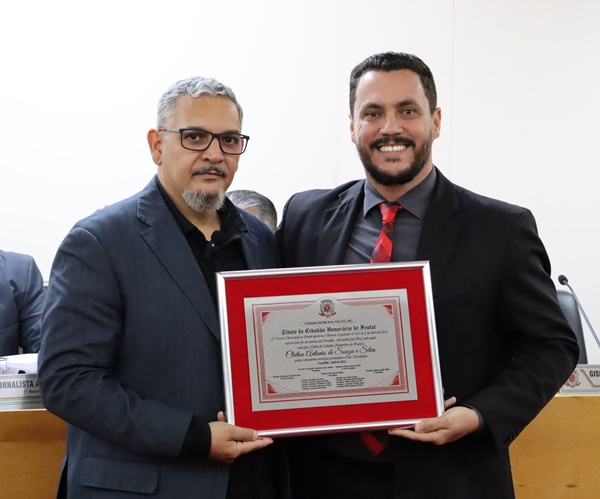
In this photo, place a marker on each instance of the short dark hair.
(394, 61)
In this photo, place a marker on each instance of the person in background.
(21, 301)
(505, 347)
(257, 204)
(131, 350)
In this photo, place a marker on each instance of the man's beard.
(201, 202)
(421, 157)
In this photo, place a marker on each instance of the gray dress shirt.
(407, 226)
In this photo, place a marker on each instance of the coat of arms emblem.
(327, 308)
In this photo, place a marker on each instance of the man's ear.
(437, 123)
(155, 142)
(352, 130)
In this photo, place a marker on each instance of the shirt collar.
(416, 201)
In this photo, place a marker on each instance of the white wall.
(516, 79)
(81, 82)
(526, 100)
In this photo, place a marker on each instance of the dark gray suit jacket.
(505, 346)
(131, 350)
(21, 302)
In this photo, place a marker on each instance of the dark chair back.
(569, 307)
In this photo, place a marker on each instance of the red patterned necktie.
(377, 440)
(383, 247)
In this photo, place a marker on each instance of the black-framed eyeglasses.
(196, 139)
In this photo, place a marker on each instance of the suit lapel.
(168, 243)
(440, 229)
(337, 226)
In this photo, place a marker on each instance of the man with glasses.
(130, 354)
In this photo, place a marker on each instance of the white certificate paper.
(337, 349)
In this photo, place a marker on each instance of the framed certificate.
(326, 349)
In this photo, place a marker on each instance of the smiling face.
(199, 174)
(394, 130)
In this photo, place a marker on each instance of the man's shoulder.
(320, 198)
(113, 215)
(108, 217)
(11, 256)
(12, 262)
(485, 204)
(479, 203)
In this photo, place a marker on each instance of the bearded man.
(505, 346)
(131, 354)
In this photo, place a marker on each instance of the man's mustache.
(210, 169)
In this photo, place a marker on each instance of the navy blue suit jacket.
(505, 346)
(21, 302)
(131, 350)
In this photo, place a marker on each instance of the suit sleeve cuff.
(482, 425)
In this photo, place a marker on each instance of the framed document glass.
(326, 349)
